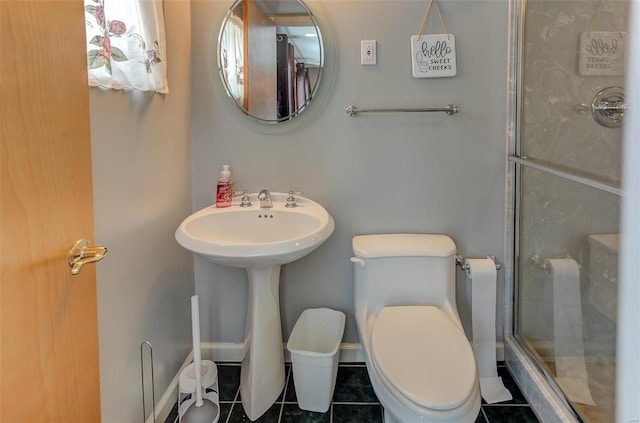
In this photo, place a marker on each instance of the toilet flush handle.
(359, 262)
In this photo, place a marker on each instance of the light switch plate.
(368, 54)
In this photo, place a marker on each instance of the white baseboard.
(230, 352)
(500, 351)
(350, 352)
(170, 396)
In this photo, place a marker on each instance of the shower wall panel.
(553, 127)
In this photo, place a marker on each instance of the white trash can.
(314, 346)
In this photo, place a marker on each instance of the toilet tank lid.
(403, 245)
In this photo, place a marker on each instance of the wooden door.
(49, 336)
(260, 66)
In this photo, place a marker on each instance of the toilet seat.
(424, 356)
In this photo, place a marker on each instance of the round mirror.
(270, 57)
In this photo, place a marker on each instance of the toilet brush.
(203, 410)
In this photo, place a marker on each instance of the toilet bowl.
(419, 360)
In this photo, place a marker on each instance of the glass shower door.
(568, 164)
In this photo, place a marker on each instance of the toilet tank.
(404, 269)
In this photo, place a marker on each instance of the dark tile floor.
(353, 401)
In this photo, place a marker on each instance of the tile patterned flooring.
(353, 400)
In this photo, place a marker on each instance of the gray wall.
(142, 190)
(428, 173)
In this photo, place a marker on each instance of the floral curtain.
(126, 44)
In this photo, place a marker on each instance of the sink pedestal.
(262, 375)
(259, 240)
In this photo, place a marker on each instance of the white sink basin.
(260, 240)
(254, 237)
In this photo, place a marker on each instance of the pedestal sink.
(260, 240)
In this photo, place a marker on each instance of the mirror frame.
(318, 87)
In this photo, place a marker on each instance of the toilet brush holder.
(209, 388)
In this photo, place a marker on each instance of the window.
(126, 44)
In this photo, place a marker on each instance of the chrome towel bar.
(449, 109)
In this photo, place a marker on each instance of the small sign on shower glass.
(601, 53)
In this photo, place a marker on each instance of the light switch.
(368, 52)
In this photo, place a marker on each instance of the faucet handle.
(291, 200)
(246, 201)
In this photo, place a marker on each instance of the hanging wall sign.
(433, 56)
(601, 53)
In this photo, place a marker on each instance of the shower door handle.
(608, 107)
(82, 253)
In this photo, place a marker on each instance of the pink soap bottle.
(224, 192)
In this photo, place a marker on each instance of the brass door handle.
(82, 253)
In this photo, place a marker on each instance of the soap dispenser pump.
(224, 190)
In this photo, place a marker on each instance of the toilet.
(419, 360)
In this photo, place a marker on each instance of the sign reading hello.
(601, 53)
(433, 56)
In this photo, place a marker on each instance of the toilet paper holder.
(535, 259)
(460, 262)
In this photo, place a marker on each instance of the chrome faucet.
(265, 199)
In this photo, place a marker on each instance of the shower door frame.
(538, 385)
(546, 399)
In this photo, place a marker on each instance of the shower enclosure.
(568, 106)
